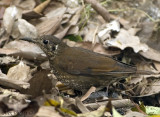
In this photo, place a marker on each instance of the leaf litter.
(125, 30)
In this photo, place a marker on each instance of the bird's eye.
(45, 41)
(53, 48)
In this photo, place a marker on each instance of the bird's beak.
(29, 39)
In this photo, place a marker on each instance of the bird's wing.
(84, 62)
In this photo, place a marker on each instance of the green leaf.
(43, 0)
(141, 107)
(73, 37)
(70, 112)
(51, 102)
(154, 116)
(151, 110)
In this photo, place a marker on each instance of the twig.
(99, 8)
(116, 103)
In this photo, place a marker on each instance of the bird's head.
(48, 43)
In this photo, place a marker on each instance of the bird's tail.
(143, 72)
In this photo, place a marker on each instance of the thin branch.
(99, 8)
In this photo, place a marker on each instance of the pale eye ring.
(45, 41)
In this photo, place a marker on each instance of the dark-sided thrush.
(81, 68)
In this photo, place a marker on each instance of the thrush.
(81, 68)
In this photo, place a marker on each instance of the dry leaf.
(157, 65)
(30, 110)
(112, 26)
(42, 6)
(20, 72)
(38, 83)
(26, 29)
(96, 113)
(4, 81)
(47, 111)
(71, 3)
(81, 106)
(73, 30)
(127, 39)
(151, 54)
(7, 51)
(31, 15)
(11, 14)
(25, 49)
(7, 60)
(58, 12)
(49, 26)
(153, 88)
(25, 4)
(90, 33)
(148, 86)
(72, 22)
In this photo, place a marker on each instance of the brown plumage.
(80, 68)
